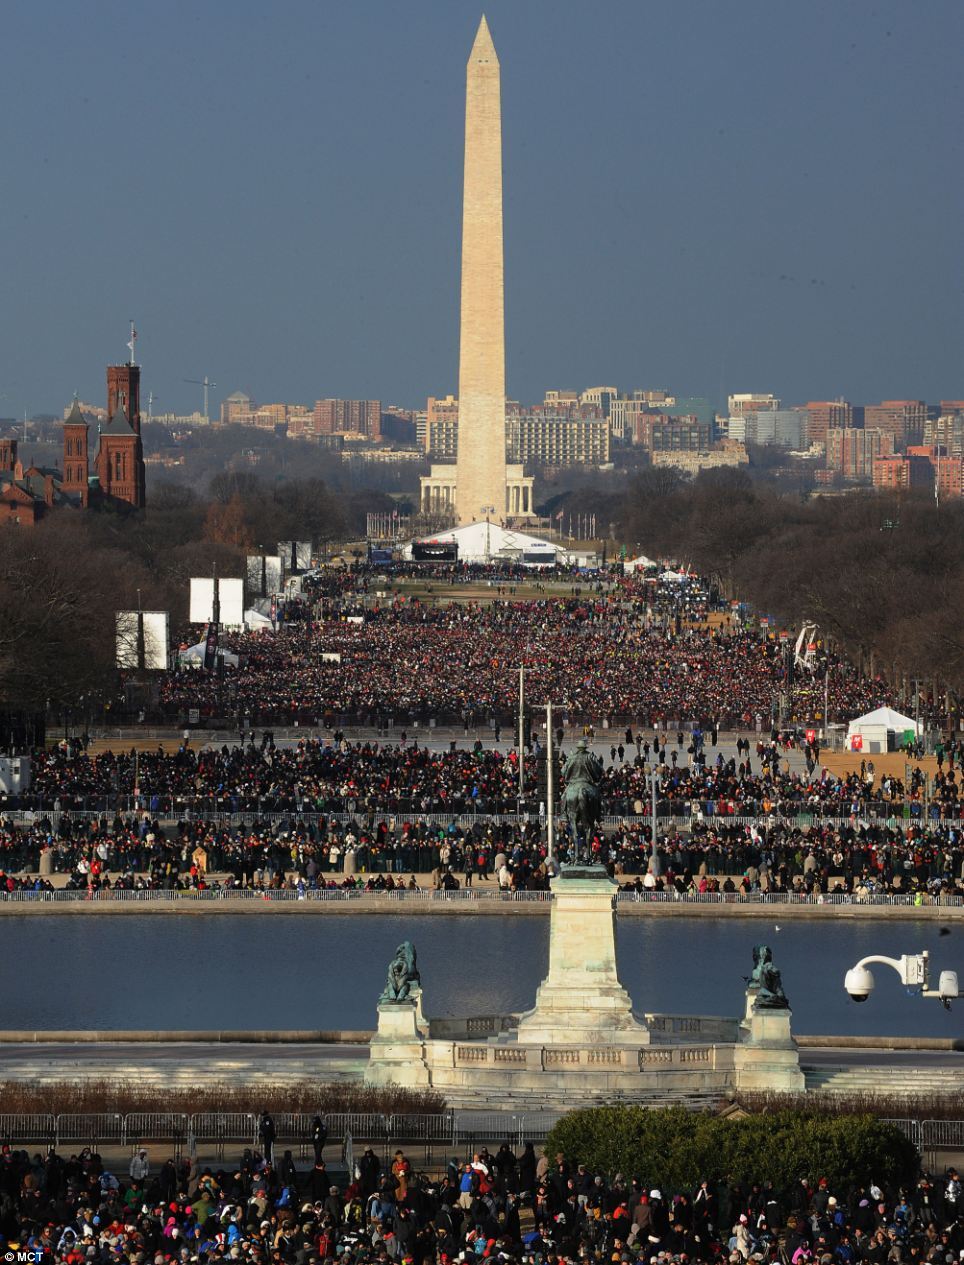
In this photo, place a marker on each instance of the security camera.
(859, 983)
(948, 988)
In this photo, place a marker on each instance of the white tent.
(193, 657)
(488, 542)
(880, 730)
(256, 620)
(673, 577)
(642, 563)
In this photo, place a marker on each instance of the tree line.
(882, 575)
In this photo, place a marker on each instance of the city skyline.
(700, 200)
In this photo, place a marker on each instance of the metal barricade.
(293, 1129)
(220, 1128)
(90, 1130)
(165, 1126)
(35, 1130)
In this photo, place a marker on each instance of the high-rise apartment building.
(442, 437)
(680, 434)
(913, 471)
(904, 419)
(559, 402)
(852, 452)
(236, 406)
(946, 431)
(751, 403)
(544, 440)
(439, 408)
(349, 417)
(625, 412)
(600, 397)
(827, 415)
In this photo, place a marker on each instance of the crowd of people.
(694, 778)
(498, 1207)
(626, 649)
(307, 855)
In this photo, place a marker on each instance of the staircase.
(901, 1080)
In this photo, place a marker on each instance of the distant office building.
(946, 472)
(442, 437)
(349, 417)
(688, 406)
(680, 434)
(780, 427)
(532, 437)
(852, 452)
(827, 415)
(398, 425)
(544, 440)
(912, 471)
(624, 412)
(751, 403)
(439, 408)
(904, 419)
(601, 397)
(946, 431)
(559, 402)
(301, 422)
(236, 405)
(726, 453)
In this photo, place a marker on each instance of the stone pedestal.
(767, 1056)
(581, 1000)
(396, 1053)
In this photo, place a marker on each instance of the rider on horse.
(582, 799)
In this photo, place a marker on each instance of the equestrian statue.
(581, 801)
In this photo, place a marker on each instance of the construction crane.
(207, 384)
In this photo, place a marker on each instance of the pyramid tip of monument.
(483, 48)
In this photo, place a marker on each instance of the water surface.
(279, 971)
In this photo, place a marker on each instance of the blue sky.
(707, 197)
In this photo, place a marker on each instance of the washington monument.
(480, 482)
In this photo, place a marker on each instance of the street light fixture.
(914, 972)
(487, 510)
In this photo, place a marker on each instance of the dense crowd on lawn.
(337, 776)
(618, 651)
(304, 856)
(483, 1208)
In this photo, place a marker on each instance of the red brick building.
(25, 495)
(827, 415)
(904, 419)
(349, 417)
(119, 463)
(76, 480)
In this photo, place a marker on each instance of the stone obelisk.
(480, 487)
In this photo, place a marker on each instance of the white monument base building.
(581, 1042)
(437, 493)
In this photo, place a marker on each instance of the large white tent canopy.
(488, 542)
(642, 563)
(872, 731)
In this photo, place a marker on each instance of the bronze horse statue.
(581, 801)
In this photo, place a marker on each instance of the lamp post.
(522, 703)
(550, 789)
(487, 510)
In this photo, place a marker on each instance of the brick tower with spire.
(76, 458)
